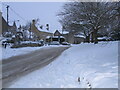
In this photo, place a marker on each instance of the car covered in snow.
(65, 43)
(7, 40)
(28, 44)
(54, 43)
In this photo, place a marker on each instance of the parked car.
(27, 44)
(32, 43)
(65, 43)
(54, 43)
(7, 41)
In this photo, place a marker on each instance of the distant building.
(13, 28)
(57, 33)
(8, 30)
(56, 37)
(40, 34)
(73, 38)
(0, 23)
(69, 37)
(4, 26)
(78, 39)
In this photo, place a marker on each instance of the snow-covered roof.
(58, 37)
(82, 36)
(13, 36)
(65, 32)
(100, 38)
(48, 36)
(8, 33)
(44, 29)
(4, 39)
(29, 42)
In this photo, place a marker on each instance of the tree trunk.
(92, 37)
(88, 39)
(95, 37)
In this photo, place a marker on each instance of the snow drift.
(96, 65)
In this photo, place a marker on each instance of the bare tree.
(88, 17)
(115, 29)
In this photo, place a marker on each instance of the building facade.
(8, 30)
(0, 23)
(41, 35)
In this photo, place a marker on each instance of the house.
(73, 38)
(68, 37)
(8, 30)
(4, 26)
(13, 28)
(56, 37)
(57, 33)
(79, 38)
(59, 39)
(0, 23)
(40, 34)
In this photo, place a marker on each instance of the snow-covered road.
(96, 65)
(17, 66)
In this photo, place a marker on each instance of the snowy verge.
(96, 65)
(10, 52)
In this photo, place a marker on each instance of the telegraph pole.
(30, 32)
(7, 16)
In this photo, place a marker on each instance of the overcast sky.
(45, 11)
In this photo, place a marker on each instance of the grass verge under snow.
(10, 52)
(94, 64)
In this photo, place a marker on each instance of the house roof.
(43, 30)
(65, 32)
(57, 33)
(14, 24)
(4, 22)
(81, 36)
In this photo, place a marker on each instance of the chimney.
(33, 21)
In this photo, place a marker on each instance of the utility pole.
(7, 16)
(30, 32)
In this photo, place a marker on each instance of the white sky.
(45, 11)
(32, 9)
